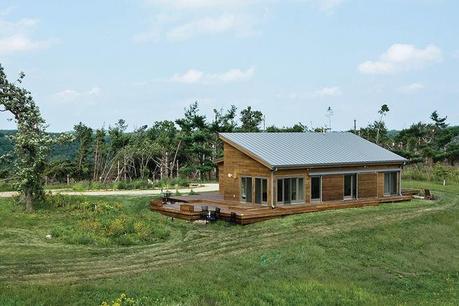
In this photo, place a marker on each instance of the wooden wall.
(367, 185)
(239, 164)
(221, 177)
(380, 184)
(332, 187)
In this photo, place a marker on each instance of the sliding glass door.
(290, 190)
(390, 183)
(246, 189)
(316, 188)
(261, 190)
(350, 186)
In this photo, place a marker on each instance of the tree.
(32, 144)
(84, 136)
(195, 134)
(382, 111)
(440, 123)
(296, 128)
(251, 120)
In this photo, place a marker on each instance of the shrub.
(436, 173)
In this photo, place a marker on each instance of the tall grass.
(436, 173)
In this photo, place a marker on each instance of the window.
(350, 186)
(261, 190)
(290, 190)
(390, 183)
(316, 188)
(246, 189)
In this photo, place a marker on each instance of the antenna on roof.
(264, 123)
(329, 115)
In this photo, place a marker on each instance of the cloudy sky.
(145, 60)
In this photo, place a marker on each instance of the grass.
(403, 253)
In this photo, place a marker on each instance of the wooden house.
(270, 169)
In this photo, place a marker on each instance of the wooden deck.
(190, 207)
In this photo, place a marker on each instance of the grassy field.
(402, 253)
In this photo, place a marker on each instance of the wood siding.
(221, 177)
(293, 173)
(368, 185)
(332, 187)
(380, 184)
(238, 164)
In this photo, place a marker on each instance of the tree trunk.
(28, 199)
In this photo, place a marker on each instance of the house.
(271, 169)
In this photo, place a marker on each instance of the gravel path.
(203, 188)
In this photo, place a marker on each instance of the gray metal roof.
(295, 150)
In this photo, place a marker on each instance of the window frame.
(247, 178)
(316, 200)
(396, 184)
(297, 190)
(354, 195)
(255, 189)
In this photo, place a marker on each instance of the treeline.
(189, 146)
(427, 142)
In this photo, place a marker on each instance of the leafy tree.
(382, 112)
(195, 134)
(84, 137)
(251, 120)
(296, 128)
(440, 123)
(31, 143)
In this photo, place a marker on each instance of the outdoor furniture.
(427, 194)
(166, 197)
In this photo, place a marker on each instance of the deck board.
(249, 213)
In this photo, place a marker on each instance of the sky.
(146, 60)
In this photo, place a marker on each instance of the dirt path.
(203, 188)
(74, 263)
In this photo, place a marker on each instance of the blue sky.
(146, 60)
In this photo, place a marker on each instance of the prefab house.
(271, 169)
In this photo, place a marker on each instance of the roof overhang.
(247, 152)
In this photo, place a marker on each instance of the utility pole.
(355, 126)
(329, 115)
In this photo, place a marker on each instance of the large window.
(290, 190)
(316, 188)
(390, 183)
(246, 189)
(261, 190)
(350, 186)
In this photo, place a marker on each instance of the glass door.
(246, 189)
(350, 186)
(261, 190)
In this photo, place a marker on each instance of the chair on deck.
(428, 195)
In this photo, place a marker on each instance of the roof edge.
(246, 151)
(329, 165)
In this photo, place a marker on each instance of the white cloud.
(411, 88)
(15, 35)
(69, 95)
(211, 25)
(21, 43)
(327, 5)
(199, 4)
(402, 57)
(193, 76)
(328, 92)
(324, 92)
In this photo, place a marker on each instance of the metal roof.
(309, 149)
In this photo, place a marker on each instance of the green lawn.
(402, 253)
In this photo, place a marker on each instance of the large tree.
(251, 120)
(32, 144)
